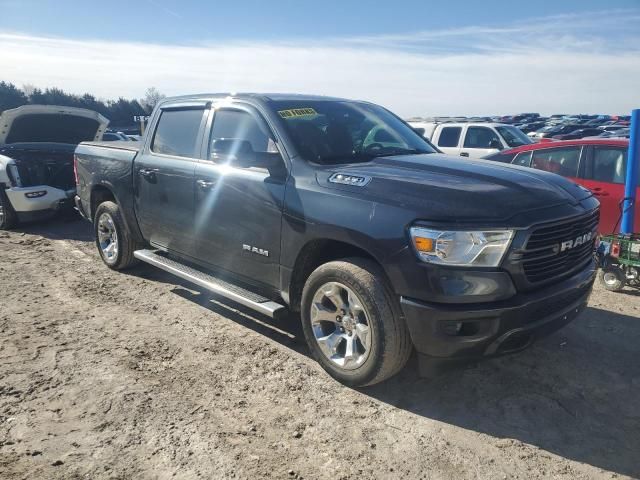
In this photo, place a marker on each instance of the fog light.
(38, 194)
(452, 328)
(460, 329)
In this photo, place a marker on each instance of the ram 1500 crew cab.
(36, 159)
(340, 211)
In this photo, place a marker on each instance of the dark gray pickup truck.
(338, 210)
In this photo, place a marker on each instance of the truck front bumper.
(449, 334)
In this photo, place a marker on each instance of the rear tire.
(113, 240)
(353, 324)
(613, 278)
(8, 216)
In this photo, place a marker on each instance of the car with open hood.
(36, 158)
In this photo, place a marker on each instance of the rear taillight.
(75, 170)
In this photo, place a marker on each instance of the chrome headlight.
(14, 175)
(477, 248)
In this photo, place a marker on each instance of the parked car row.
(118, 136)
(556, 127)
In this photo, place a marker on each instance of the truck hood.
(448, 188)
(51, 123)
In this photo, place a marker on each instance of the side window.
(481, 137)
(235, 132)
(177, 133)
(563, 161)
(523, 159)
(609, 164)
(449, 137)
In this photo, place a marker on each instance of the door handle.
(464, 154)
(205, 185)
(599, 192)
(148, 172)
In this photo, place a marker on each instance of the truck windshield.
(334, 132)
(514, 136)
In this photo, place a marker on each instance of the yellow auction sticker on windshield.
(298, 112)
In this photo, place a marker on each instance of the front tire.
(8, 216)
(112, 237)
(352, 322)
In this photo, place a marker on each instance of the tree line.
(120, 112)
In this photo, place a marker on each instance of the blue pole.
(633, 172)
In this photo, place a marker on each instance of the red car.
(599, 165)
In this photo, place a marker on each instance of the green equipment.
(619, 257)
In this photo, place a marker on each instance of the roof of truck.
(265, 97)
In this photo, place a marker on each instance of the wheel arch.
(318, 252)
(99, 194)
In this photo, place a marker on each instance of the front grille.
(543, 259)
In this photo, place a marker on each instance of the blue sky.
(188, 21)
(416, 57)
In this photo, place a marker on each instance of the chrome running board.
(215, 285)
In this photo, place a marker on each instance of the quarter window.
(177, 133)
(563, 161)
(481, 137)
(449, 137)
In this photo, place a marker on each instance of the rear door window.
(177, 133)
(563, 161)
(449, 136)
(481, 137)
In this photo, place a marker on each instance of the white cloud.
(472, 70)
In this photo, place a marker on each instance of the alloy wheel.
(108, 237)
(341, 325)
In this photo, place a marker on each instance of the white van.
(474, 140)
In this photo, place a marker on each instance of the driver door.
(238, 207)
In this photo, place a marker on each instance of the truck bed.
(107, 163)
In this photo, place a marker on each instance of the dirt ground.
(137, 375)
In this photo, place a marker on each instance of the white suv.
(474, 140)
